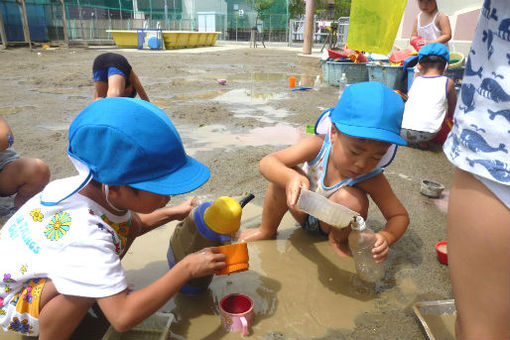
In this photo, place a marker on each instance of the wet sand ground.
(301, 289)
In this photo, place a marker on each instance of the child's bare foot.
(253, 235)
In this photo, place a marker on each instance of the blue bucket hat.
(434, 49)
(370, 110)
(127, 141)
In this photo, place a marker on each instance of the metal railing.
(320, 31)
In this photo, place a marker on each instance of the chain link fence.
(87, 22)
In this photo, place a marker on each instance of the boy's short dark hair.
(433, 61)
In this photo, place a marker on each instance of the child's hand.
(182, 210)
(293, 189)
(204, 262)
(381, 248)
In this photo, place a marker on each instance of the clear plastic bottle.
(342, 84)
(361, 240)
(317, 83)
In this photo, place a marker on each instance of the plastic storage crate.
(390, 76)
(354, 72)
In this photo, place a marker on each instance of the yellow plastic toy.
(224, 215)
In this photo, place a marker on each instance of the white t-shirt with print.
(76, 244)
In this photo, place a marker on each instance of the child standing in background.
(61, 251)
(431, 25)
(345, 164)
(431, 97)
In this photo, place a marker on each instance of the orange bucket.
(236, 258)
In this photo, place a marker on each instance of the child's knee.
(352, 198)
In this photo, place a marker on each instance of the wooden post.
(308, 34)
(2, 31)
(64, 23)
(24, 21)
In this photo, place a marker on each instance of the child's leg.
(60, 314)
(116, 85)
(478, 259)
(24, 177)
(354, 199)
(275, 206)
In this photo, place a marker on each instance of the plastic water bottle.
(342, 84)
(317, 83)
(361, 240)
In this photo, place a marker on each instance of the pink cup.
(236, 312)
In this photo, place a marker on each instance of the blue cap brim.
(371, 133)
(185, 179)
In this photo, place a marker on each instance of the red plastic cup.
(442, 252)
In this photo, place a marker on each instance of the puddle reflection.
(216, 136)
(14, 109)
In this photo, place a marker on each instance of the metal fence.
(320, 31)
(90, 23)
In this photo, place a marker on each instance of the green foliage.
(341, 8)
(260, 6)
(296, 8)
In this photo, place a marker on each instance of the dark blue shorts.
(104, 74)
(312, 226)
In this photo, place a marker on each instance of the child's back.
(431, 98)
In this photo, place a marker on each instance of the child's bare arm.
(443, 24)
(414, 33)
(148, 222)
(133, 78)
(451, 96)
(126, 309)
(280, 167)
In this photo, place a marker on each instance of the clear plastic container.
(361, 240)
(342, 84)
(325, 210)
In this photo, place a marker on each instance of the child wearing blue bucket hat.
(344, 162)
(61, 251)
(431, 99)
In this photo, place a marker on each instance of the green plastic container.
(388, 75)
(354, 72)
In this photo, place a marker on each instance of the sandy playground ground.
(301, 289)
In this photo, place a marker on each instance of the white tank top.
(429, 31)
(426, 106)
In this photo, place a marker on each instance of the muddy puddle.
(218, 136)
(300, 288)
(14, 109)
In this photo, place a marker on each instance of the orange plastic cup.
(236, 258)
(292, 81)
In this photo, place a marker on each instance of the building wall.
(463, 15)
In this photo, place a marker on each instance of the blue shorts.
(104, 74)
(312, 225)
